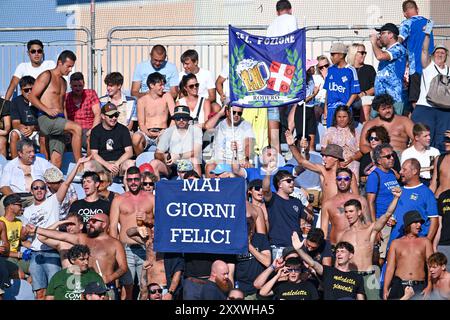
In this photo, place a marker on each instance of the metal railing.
(211, 42)
(15, 51)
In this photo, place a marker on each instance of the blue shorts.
(43, 265)
(273, 114)
(136, 256)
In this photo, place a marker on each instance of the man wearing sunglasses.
(45, 261)
(37, 65)
(295, 288)
(154, 292)
(24, 119)
(111, 142)
(333, 208)
(182, 141)
(130, 209)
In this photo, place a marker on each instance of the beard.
(93, 234)
(224, 285)
(386, 119)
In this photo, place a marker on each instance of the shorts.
(398, 288)
(34, 136)
(273, 114)
(310, 121)
(53, 128)
(414, 87)
(136, 256)
(385, 234)
(43, 266)
(148, 141)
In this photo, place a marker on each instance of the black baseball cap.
(95, 288)
(389, 27)
(11, 199)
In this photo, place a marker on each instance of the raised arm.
(263, 276)
(53, 234)
(266, 289)
(425, 56)
(62, 190)
(297, 155)
(296, 243)
(267, 192)
(381, 222)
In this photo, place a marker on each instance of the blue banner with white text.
(201, 216)
(267, 71)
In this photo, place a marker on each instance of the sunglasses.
(288, 180)
(114, 115)
(39, 188)
(257, 188)
(237, 113)
(92, 220)
(374, 139)
(362, 52)
(233, 298)
(185, 119)
(324, 66)
(151, 184)
(133, 179)
(192, 86)
(153, 291)
(346, 178)
(33, 51)
(296, 270)
(26, 90)
(388, 156)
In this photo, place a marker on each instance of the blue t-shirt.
(145, 68)
(308, 179)
(381, 183)
(340, 84)
(309, 91)
(419, 198)
(257, 173)
(390, 73)
(411, 30)
(284, 218)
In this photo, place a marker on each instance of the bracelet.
(272, 266)
(35, 230)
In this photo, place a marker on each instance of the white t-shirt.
(206, 80)
(422, 157)
(281, 25)
(43, 215)
(224, 135)
(26, 69)
(428, 74)
(175, 142)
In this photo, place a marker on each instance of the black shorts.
(414, 87)
(311, 123)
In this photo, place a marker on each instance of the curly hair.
(381, 133)
(350, 124)
(77, 251)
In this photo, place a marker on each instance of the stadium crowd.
(357, 208)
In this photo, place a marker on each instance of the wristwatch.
(170, 291)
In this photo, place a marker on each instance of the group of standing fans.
(358, 210)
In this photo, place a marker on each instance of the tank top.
(197, 114)
(13, 229)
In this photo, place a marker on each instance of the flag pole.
(304, 125)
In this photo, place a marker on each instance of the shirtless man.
(259, 211)
(48, 96)
(441, 176)
(332, 155)
(153, 113)
(399, 127)
(362, 236)
(74, 225)
(108, 256)
(126, 209)
(406, 261)
(440, 277)
(333, 208)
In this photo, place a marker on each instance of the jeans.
(43, 265)
(136, 256)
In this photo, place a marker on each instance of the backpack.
(438, 93)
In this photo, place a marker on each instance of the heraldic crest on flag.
(266, 72)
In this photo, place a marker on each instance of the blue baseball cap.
(221, 168)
